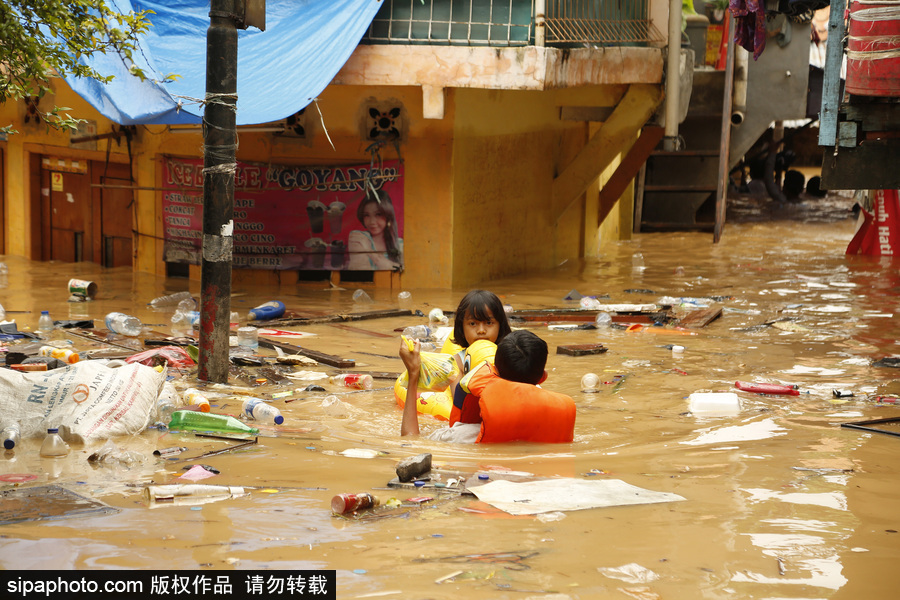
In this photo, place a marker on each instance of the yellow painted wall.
(477, 182)
(508, 147)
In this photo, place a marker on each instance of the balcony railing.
(567, 23)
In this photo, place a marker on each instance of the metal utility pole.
(219, 166)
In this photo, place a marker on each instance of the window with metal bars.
(567, 23)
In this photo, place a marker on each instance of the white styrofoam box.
(714, 403)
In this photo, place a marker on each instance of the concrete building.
(505, 145)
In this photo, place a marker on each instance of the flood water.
(779, 500)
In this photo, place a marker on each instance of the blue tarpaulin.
(280, 70)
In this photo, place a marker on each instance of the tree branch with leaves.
(46, 38)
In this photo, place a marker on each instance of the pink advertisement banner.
(338, 217)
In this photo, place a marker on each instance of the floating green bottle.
(189, 420)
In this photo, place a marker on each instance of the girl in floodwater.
(378, 247)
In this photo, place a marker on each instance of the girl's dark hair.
(480, 304)
(386, 207)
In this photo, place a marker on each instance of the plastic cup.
(336, 217)
(315, 210)
(590, 383)
(248, 338)
(338, 254)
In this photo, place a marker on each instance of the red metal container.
(873, 49)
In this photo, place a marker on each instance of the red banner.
(338, 217)
(879, 233)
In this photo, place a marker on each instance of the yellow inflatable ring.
(436, 404)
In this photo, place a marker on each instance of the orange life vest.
(512, 411)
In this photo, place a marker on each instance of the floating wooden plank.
(361, 330)
(325, 359)
(581, 349)
(589, 316)
(360, 316)
(700, 318)
(377, 314)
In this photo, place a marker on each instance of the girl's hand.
(412, 359)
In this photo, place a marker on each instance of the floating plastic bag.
(630, 573)
(436, 370)
(170, 356)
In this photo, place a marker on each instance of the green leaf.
(50, 38)
(194, 351)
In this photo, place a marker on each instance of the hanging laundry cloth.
(749, 25)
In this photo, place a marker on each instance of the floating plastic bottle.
(170, 300)
(194, 397)
(190, 493)
(590, 383)
(259, 409)
(185, 319)
(124, 324)
(10, 435)
(637, 262)
(64, 354)
(189, 420)
(418, 332)
(4, 270)
(266, 311)
(45, 323)
(357, 381)
(346, 503)
(166, 402)
(602, 320)
(53, 444)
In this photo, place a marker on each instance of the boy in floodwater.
(518, 409)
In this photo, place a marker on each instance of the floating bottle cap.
(45, 312)
(484, 477)
(418, 483)
(54, 430)
(278, 420)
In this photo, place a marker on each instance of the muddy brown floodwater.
(780, 500)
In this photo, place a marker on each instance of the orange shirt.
(512, 411)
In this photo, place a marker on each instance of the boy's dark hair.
(521, 356)
(479, 302)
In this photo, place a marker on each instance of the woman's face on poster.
(373, 219)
